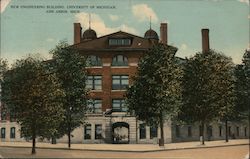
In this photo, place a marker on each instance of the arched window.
(94, 61)
(3, 133)
(12, 132)
(119, 60)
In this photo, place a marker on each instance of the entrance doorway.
(120, 131)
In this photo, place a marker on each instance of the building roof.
(151, 34)
(89, 34)
(102, 43)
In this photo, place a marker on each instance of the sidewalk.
(129, 147)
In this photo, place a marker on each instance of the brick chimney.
(205, 40)
(164, 33)
(77, 33)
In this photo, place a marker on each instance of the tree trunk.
(69, 136)
(33, 142)
(226, 129)
(161, 141)
(69, 125)
(202, 133)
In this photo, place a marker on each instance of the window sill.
(96, 90)
(94, 114)
(122, 90)
(119, 66)
(93, 67)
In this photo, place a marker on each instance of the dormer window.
(119, 41)
(94, 61)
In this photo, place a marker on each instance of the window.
(220, 130)
(119, 41)
(98, 131)
(12, 132)
(209, 131)
(119, 82)
(3, 114)
(87, 131)
(93, 60)
(142, 131)
(95, 106)
(3, 133)
(120, 60)
(153, 132)
(237, 131)
(22, 132)
(245, 131)
(200, 130)
(177, 130)
(94, 82)
(12, 116)
(189, 131)
(118, 105)
(229, 131)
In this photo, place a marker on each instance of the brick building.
(113, 60)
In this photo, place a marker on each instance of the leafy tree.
(29, 90)
(242, 94)
(208, 89)
(242, 73)
(155, 94)
(3, 68)
(69, 67)
(246, 67)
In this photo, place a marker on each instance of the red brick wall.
(107, 94)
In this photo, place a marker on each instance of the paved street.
(129, 147)
(229, 152)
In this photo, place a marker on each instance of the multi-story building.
(113, 62)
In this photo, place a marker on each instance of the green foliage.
(29, 90)
(3, 68)
(156, 90)
(208, 88)
(242, 73)
(69, 67)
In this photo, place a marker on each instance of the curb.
(133, 151)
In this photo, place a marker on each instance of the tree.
(246, 68)
(208, 89)
(242, 93)
(69, 67)
(242, 73)
(3, 68)
(155, 94)
(29, 90)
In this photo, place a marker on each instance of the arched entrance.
(120, 133)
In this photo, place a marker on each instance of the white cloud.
(13, 56)
(143, 12)
(113, 17)
(183, 46)
(185, 51)
(50, 40)
(244, 1)
(4, 4)
(99, 26)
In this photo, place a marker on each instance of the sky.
(29, 27)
